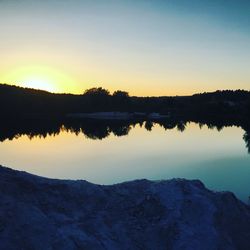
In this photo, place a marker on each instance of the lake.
(218, 157)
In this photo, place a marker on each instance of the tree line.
(17, 101)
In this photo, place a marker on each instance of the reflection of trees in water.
(96, 133)
(181, 126)
(94, 129)
(100, 129)
(167, 124)
(148, 125)
(246, 138)
(12, 129)
(121, 130)
(217, 126)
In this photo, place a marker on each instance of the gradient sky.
(150, 47)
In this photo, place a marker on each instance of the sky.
(148, 48)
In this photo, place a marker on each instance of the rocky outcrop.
(39, 213)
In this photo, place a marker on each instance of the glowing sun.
(39, 77)
(39, 82)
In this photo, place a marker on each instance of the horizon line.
(79, 94)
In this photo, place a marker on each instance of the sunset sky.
(150, 47)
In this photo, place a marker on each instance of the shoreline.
(118, 115)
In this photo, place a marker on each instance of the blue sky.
(144, 47)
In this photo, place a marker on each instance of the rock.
(40, 213)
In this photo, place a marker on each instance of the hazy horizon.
(111, 92)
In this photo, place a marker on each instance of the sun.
(40, 77)
(39, 82)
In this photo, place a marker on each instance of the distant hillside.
(17, 101)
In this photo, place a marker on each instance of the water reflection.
(246, 138)
(100, 129)
(107, 152)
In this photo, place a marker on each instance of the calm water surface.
(219, 159)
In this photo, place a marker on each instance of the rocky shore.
(40, 213)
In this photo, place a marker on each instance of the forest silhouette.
(39, 113)
(17, 101)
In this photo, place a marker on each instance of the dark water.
(121, 151)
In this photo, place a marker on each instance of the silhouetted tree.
(120, 94)
(120, 100)
(96, 91)
(97, 99)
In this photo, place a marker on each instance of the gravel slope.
(40, 213)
